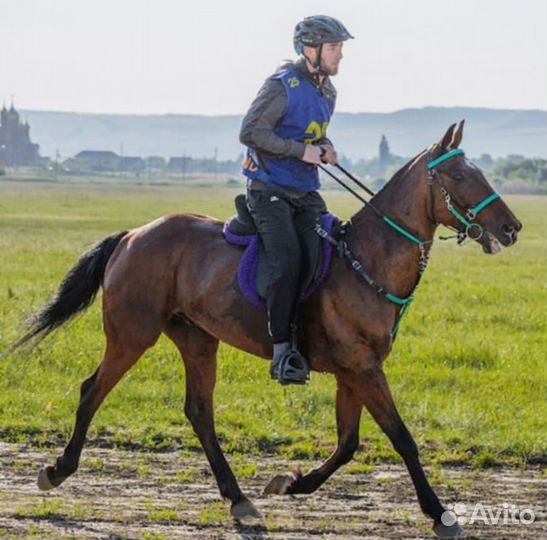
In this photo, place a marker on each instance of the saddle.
(240, 230)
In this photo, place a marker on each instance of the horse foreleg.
(348, 415)
(115, 364)
(198, 350)
(377, 398)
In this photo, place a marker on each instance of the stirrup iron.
(290, 368)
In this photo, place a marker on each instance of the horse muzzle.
(506, 235)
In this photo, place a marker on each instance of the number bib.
(306, 119)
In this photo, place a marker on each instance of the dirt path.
(154, 496)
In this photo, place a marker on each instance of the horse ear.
(448, 136)
(457, 136)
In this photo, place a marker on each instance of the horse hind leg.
(123, 350)
(198, 350)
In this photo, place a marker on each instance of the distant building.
(94, 161)
(385, 159)
(179, 164)
(16, 150)
(132, 164)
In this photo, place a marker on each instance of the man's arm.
(259, 122)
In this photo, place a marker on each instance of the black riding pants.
(285, 224)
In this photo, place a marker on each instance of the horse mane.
(394, 180)
(386, 190)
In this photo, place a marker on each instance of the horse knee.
(404, 444)
(195, 410)
(87, 384)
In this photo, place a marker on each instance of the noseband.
(469, 215)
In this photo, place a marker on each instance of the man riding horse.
(285, 132)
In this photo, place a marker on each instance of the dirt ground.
(172, 495)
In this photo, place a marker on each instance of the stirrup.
(290, 368)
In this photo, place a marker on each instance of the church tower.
(384, 156)
(16, 149)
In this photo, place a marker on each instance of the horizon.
(25, 110)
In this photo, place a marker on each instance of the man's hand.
(317, 155)
(329, 154)
(312, 154)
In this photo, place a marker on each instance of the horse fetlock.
(244, 509)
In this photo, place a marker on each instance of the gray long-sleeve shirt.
(257, 128)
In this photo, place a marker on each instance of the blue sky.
(174, 56)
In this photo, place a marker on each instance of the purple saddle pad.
(248, 268)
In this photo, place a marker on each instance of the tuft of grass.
(360, 468)
(154, 535)
(484, 460)
(186, 477)
(94, 465)
(44, 508)
(243, 468)
(164, 515)
(213, 514)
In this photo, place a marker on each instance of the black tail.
(77, 291)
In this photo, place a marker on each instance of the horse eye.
(457, 177)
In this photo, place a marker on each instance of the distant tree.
(485, 162)
(155, 162)
(513, 168)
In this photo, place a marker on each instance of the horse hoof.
(448, 531)
(244, 509)
(44, 482)
(279, 484)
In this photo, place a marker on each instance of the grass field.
(469, 369)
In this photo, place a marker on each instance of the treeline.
(513, 173)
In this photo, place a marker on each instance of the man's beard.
(329, 71)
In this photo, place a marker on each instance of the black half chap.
(286, 226)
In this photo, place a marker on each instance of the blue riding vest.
(306, 120)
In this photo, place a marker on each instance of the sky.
(205, 57)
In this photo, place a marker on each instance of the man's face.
(330, 56)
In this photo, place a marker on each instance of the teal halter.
(471, 213)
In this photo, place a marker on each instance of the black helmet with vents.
(318, 29)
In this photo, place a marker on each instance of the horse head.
(462, 198)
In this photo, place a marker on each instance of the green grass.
(468, 371)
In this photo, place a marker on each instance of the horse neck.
(406, 200)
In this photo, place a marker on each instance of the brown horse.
(177, 275)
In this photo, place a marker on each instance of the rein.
(470, 214)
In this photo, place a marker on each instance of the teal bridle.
(466, 218)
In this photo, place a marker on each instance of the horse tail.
(76, 293)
